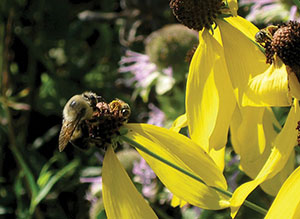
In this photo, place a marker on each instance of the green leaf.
(48, 186)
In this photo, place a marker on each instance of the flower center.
(282, 40)
(196, 14)
(286, 43)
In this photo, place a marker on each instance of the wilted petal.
(283, 147)
(287, 202)
(183, 152)
(210, 100)
(120, 197)
(269, 88)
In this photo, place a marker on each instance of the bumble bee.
(78, 110)
(90, 121)
(265, 35)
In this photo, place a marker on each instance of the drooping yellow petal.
(287, 203)
(251, 137)
(185, 153)
(179, 123)
(243, 25)
(216, 155)
(243, 58)
(233, 6)
(120, 197)
(269, 88)
(248, 133)
(210, 101)
(271, 186)
(283, 146)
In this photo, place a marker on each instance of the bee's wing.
(65, 134)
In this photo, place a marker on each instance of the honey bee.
(265, 35)
(78, 110)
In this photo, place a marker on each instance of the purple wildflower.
(145, 175)
(268, 11)
(156, 116)
(144, 73)
(139, 65)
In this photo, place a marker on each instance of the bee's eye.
(125, 112)
(73, 103)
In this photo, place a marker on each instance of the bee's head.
(77, 108)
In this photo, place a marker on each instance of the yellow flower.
(220, 70)
(276, 87)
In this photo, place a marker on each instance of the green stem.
(227, 193)
(297, 2)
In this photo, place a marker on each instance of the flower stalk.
(227, 193)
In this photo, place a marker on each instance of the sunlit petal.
(216, 155)
(243, 25)
(248, 133)
(287, 202)
(283, 147)
(179, 123)
(251, 139)
(177, 202)
(210, 101)
(269, 88)
(243, 58)
(120, 197)
(182, 152)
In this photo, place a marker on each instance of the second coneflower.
(277, 86)
(220, 70)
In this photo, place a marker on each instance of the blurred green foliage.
(49, 51)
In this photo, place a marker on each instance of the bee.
(120, 109)
(77, 111)
(265, 35)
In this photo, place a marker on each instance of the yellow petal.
(216, 155)
(272, 185)
(248, 133)
(246, 27)
(283, 147)
(179, 123)
(294, 85)
(251, 139)
(243, 58)
(210, 100)
(287, 202)
(233, 6)
(269, 88)
(177, 202)
(185, 153)
(120, 197)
